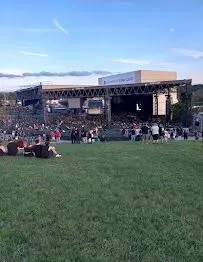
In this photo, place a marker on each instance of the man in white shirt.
(155, 133)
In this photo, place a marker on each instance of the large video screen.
(95, 107)
(74, 103)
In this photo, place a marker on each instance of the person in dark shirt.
(45, 151)
(77, 136)
(49, 151)
(179, 132)
(37, 149)
(84, 136)
(73, 136)
(145, 133)
(133, 136)
(48, 137)
(28, 152)
(12, 149)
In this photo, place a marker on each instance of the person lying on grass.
(51, 150)
(44, 150)
(38, 150)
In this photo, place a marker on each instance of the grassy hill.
(104, 202)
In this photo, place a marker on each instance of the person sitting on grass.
(37, 148)
(12, 149)
(20, 143)
(44, 150)
(28, 152)
(2, 149)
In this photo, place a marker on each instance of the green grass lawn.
(104, 202)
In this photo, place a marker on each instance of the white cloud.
(33, 54)
(132, 61)
(196, 54)
(17, 83)
(14, 84)
(59, 26)
(171, 29)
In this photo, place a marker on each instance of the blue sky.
(98, 35)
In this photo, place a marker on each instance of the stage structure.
(50, 92)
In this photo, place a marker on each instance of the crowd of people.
(146, 132)
(17, 125)
(25, 119)
(84, 136)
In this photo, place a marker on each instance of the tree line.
(9, 96)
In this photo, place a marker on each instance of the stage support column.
(82, 101)
(44, 111)
(108, 110)
(168, 107)
(44, 101)
(156, 105)
(186, 110)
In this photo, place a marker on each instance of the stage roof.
(65, 91)
(62, 87)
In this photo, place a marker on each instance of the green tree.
(176, 111)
